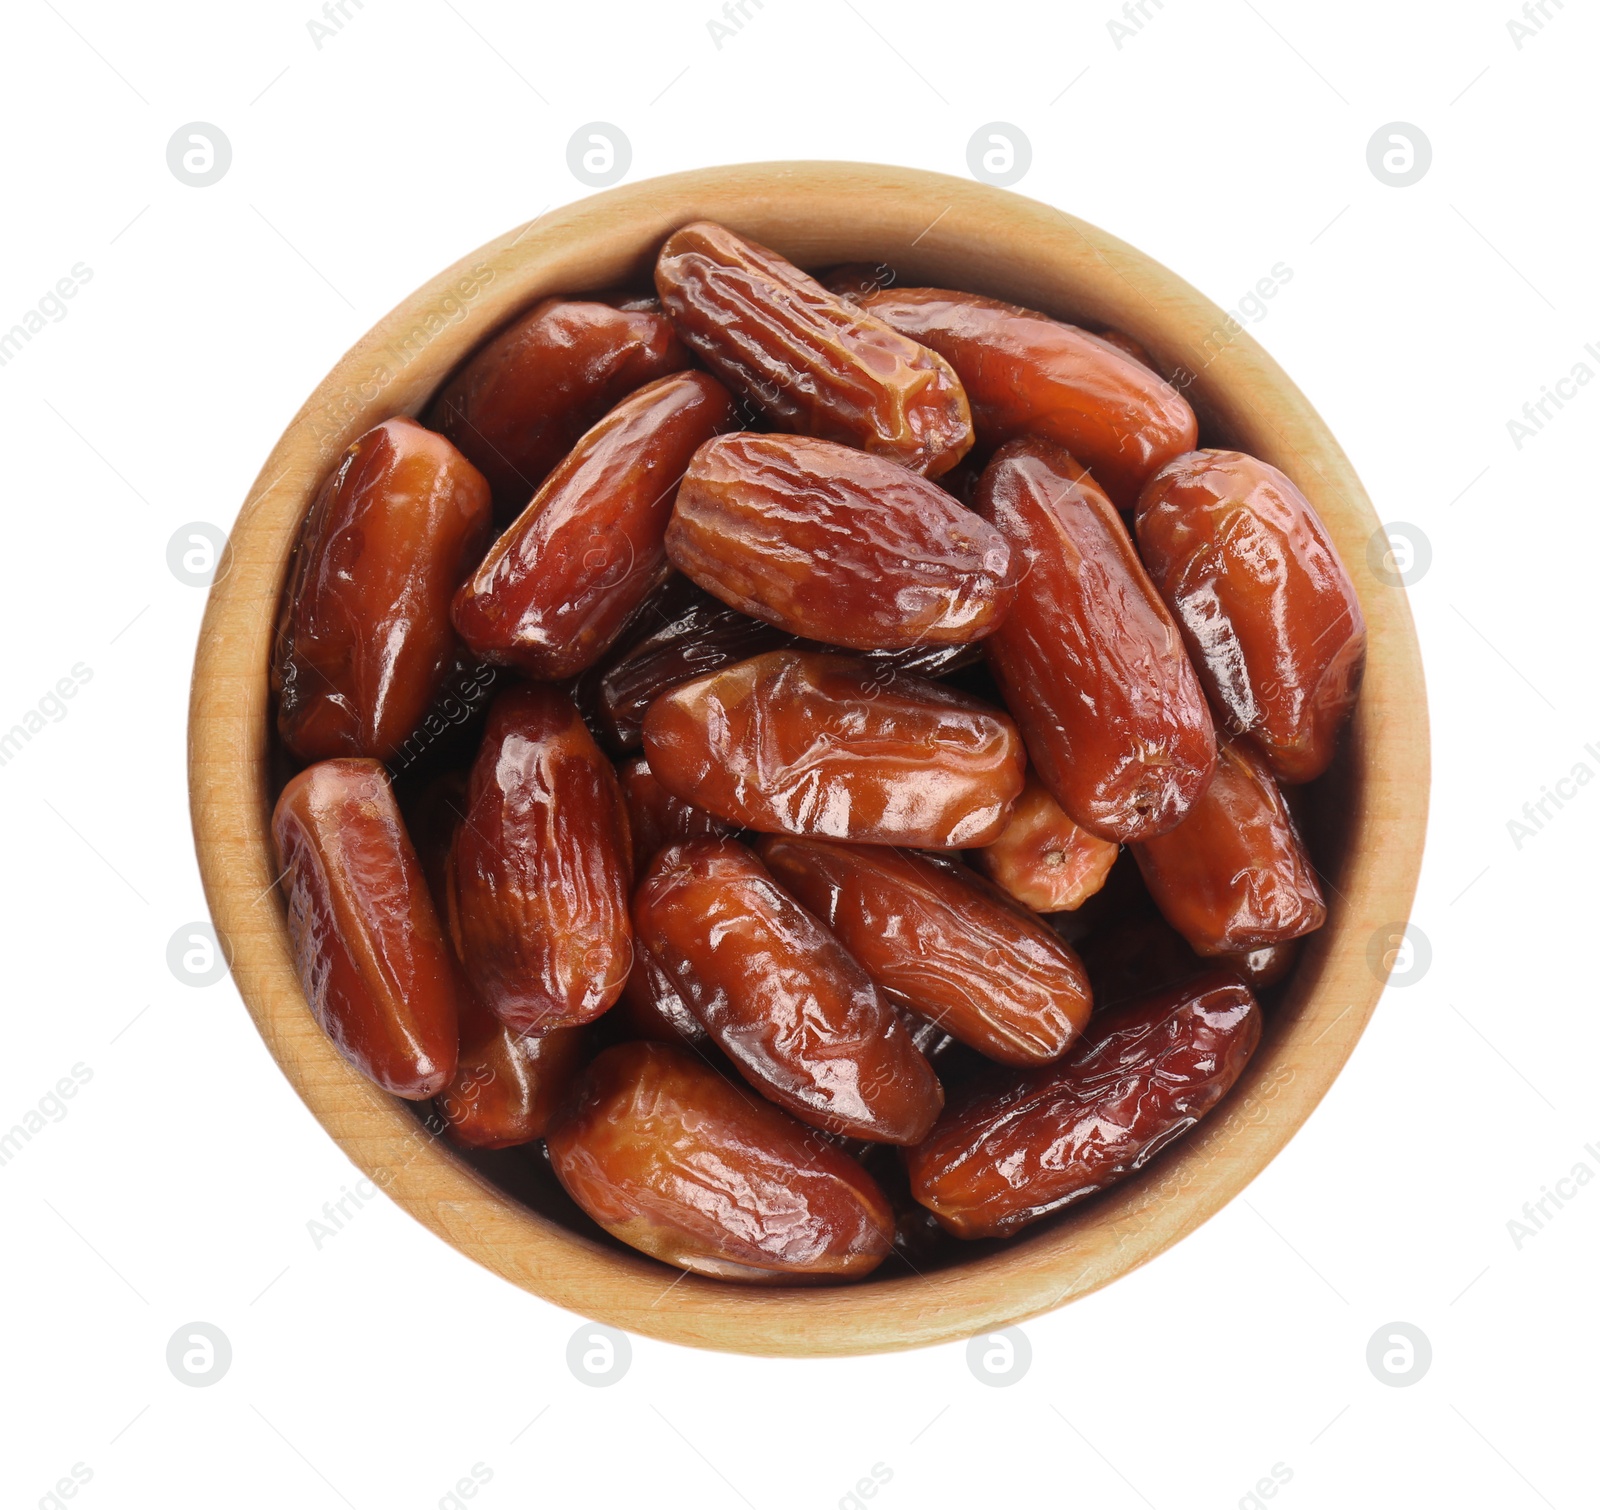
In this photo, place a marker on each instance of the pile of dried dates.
(715, 729)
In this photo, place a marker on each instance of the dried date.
(699, 634)
(940, 939)
(1234, 875)
(364, 642)
(1015, 1147)
(813, 362)
(1089, 660)
(1269, 612)
(540, 868)
(650, 1006)
(834, 544)
(1042, 858)
(371, 956)
(1026, 374)
(675, 1161)
(656, 818)
(559, 586)
(795, 742)
(508, 1085)
(779, 995)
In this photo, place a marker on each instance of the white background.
(1222, 138)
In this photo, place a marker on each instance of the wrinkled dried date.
(1026, 374)
(540, 868)
(944, 942)
(675, 1161)
(834, 544)
(1013, 1148)
(521, 402)
(796, 1014)
(1089, 660)
(1042, 858)
(812, 361)
(1234, 876)
(1266, 606)
(558, 587)
(364, 640)
(373, 962)
(794, 742)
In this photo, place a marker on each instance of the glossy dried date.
(1013, 1149)
(834, 544)
(944, 942)
(1042, 858)
(1234, 876)
(508, 1085)
(1269, 613)
(522, 401)
(800, 743)
(656, 818)
(1026, 374)
(558, 587)
(540, 868)
(371, 956)
(675, 1161)
(812, 361)
(1089, 660)
(781, 997)
(364, 641)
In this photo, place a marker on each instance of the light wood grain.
(933, 229)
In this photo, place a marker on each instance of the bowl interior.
(505, 1209)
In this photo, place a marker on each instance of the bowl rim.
(817, 213)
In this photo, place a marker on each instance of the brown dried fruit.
(1015, 1147)
(650, 1006)
(675, 1161)
(813, 362)
(944, 942)
(656, 818)
(1234, 876)
(364, 640)
(696, 634)
(794, 742)
(781, 997)
(1026, 374)
(1267, 609)
(508, 1086)
(833, 544)
(541, 864)
(1089, 660)
(559, 586)
(372, 959)
(1042, 858)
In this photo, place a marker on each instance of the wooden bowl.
(932, 229)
